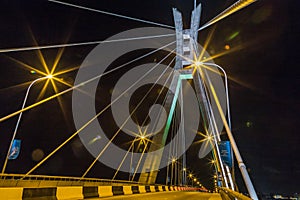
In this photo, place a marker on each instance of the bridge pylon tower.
(187, 53)
(186, 50)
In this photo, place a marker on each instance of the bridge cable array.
(75, 87)
(174, 175)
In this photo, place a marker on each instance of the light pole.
(191, 178)
(226, 89)
(184, 176)
(217, 139)
(239, 159)
(19, 119)
(228, 115)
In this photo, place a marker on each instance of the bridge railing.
(228, 194)
(18, 180)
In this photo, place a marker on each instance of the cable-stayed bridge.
(197, 91)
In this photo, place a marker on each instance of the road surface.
(166, 196)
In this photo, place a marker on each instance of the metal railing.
(18, 180)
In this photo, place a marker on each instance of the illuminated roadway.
(166, 195)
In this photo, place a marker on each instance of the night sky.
(263, 71)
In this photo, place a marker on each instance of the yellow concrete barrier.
(152, 188)
(127, 190)
(11, 193)
(160, 188)
(105, 191)
(69, 192)
(77, 192)
(142, 189)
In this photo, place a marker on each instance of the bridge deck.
(166, 195)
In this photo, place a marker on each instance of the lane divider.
(82, 192)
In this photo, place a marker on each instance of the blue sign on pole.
(15, 150)
(225, 151)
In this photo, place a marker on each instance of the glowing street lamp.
(142, 137)
(49, 76)
(209, 138)
(227, 125)
(198, 64)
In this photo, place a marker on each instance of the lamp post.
(184, 176)
(226, 90)
(19, 118)
(227, 125)
(190, 176)
(228, 114)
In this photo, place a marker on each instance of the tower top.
(186, 40)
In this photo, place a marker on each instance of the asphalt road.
(166, 195)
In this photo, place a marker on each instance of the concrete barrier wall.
(135, 189)
(161, 188)
(147, 188)
(31, 193)
(69, 192)
(142, 189)
(11, 193)
(90, 191)
(152, 189)
(127, 190)
(105, 191)
(117, 190)
(80, 192)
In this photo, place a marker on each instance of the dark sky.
(263, 87)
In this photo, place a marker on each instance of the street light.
(198, 63)
(227, 125)
(49, 76)
(190, 177)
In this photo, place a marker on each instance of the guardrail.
(65, 192)
(228, 194)
(18, 180)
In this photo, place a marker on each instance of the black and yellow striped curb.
(81, 192)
